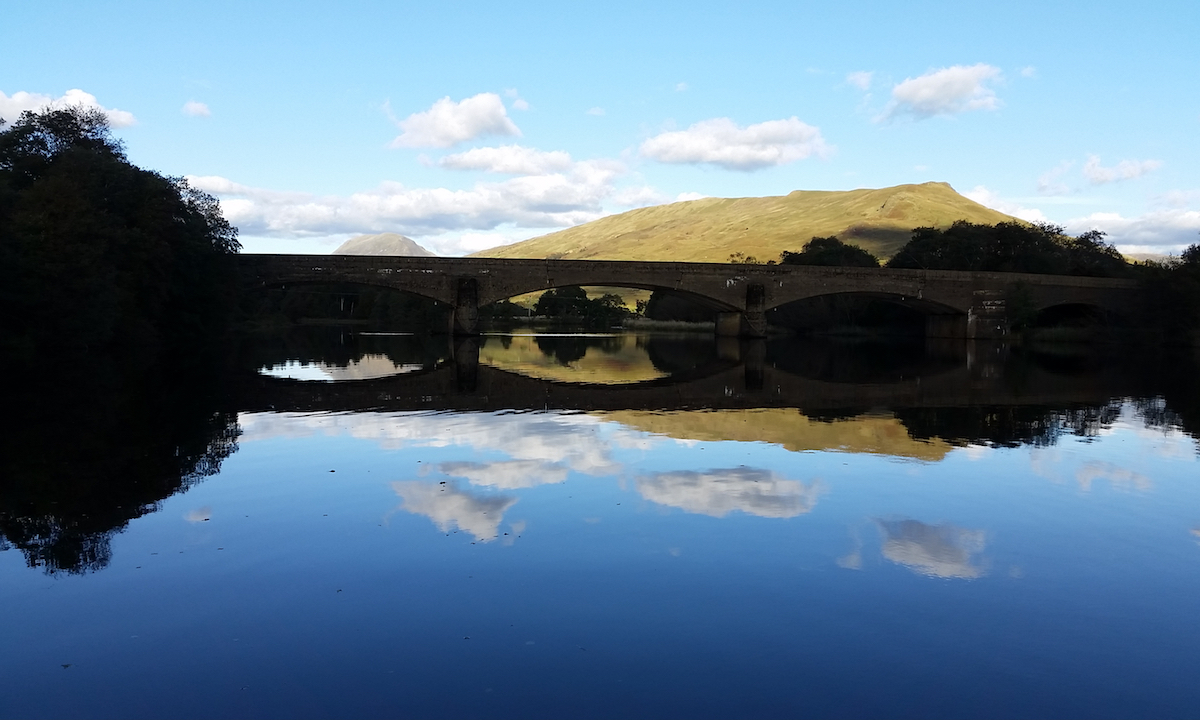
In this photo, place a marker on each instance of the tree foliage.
(1010, 247)
(572, 302)
(96, 251)
(829, 252)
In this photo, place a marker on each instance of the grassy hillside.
(711, 229)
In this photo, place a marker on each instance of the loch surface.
(650, 526)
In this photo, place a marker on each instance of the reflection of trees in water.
(93, 452)
(1008, 426)
(679, 354)
(567, 349)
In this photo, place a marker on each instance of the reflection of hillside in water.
(571, 358)
(333, 354)
(877, 433)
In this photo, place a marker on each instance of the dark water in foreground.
(606, 526)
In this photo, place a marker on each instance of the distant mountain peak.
(382, 244)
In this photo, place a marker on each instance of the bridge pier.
(986, 319)
(749, 323)
(464, 320)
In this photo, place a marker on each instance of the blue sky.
(465, 125)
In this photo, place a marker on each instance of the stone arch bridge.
(956, 304)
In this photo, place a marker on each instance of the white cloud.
(555, 200)
(1158, 231)
(721, 142)
(449, 123)
(639, 196)
(860, 79)
(508, 159)
(1124, 170)
(12, 107)
(719, 492)
(520, 104)
(196, 109)
(1178, 198)
(943, 551)
(681, 87)
(948, 91)
(986, 197)
(1048, 183)
(595, 111)
(1028, 71)
(689, 196)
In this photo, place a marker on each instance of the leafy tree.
(97, 252)
(830, 252)
(1010, 247)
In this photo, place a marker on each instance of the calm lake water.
(600, 525)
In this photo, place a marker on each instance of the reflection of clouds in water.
(936, 550)
(1120, 478)
(573, 440)
(1196, 534)
(507, 474)
(718, 492)
(448, 507)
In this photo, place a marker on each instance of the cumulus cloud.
(1178, 198)
(1028, 71)
(1097, 174)
(1162, 230)
(449, 123)
(554, 200)
(984, 196)
(509, 159)
(1158, 231)
(947, 91)
(860, 79)
(12, 107)
(196, 109)
(721, 142)
(451, 508)
(943, 551)
(1049, 183)
(720, 492)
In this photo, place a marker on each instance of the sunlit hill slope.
(710, 230)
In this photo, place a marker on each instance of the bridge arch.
(741, 293)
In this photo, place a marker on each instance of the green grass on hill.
(712, 229)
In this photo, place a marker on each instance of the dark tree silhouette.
(95, 251)
(829, 252)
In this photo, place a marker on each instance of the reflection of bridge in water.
(740, 380)
(955, 304)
